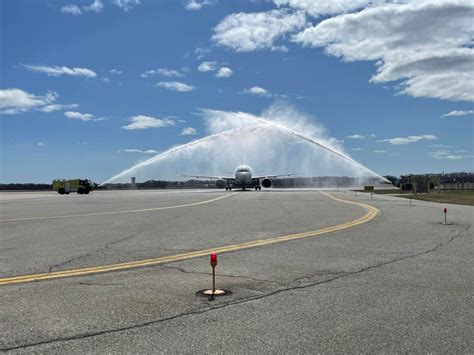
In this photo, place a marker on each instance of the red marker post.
(213, 265)
(445, 215)
(371, 195)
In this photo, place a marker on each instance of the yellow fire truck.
(63, 186)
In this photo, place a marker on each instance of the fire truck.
(63, 186)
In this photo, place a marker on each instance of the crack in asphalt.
(238, 301)
(220, 275)
(100, 250)
(308, 277)
(109, 244)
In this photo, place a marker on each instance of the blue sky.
(89, 88)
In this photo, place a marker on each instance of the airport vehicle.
(63, 186)
(242, 178)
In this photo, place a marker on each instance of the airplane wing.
(209, 177)
(275, 176)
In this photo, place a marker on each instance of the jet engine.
(267, 183)
(220, 183)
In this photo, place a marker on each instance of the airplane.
(242, 178)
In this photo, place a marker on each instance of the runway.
(360, 287)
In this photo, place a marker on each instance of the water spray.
(260, 136)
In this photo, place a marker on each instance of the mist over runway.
(370, 283)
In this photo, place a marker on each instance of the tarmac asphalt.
(402, 282)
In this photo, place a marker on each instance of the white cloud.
(458, 113)
(170, 73)
(408, 140)
(71, 9)
(424, 46)
(440, 146)
(427, 45)
(126, 5)
(262, 92)
(224, 72)
(40, 144)
(207, 66)
(80, 116)
(97, 6)
(356, 136)
(446, 154)
(133, 150)
(325, 7)
(148, 73)
(193, 5)
(455, 157)
(176, 86)
(258, 91)
(145, 122)
(13, 101)
(245, 32)
(58, 71)
(356, 149)
(188, 131)
(57, 107)
(439, 154)
(380, 151)
(201, 52)
(163, 72)
(115, 71)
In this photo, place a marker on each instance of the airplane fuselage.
(243, 176)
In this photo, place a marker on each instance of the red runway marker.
(213, 259)
(213, 264)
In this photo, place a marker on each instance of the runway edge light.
(213, 265)
(213, 259)
(214, 292)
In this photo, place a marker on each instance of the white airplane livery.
(242, 178)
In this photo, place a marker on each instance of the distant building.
(429, 182)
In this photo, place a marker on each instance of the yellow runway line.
(117, 212)
(371, 213)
